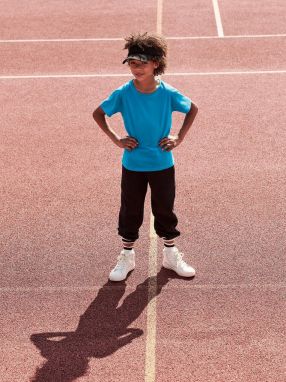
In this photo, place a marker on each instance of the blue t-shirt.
(147, 118)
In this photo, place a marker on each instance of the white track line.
(63, 40)
(75, 289)
(159, 16)
(218, 19)
(175, 74)
(102, 75)
(150, 353)
(222, 73)
(225, 37)
(70, 40)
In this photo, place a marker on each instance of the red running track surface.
(61, 319)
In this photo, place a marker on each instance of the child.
(146, 105)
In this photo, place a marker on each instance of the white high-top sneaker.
(125, 264)
(173, 259)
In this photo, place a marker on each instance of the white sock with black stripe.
(169, 242)
(128, 244)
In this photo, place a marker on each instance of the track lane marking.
(225, 37)
(150, 350)
(40, 40)
(75, 289)
(283, 71)
(104, 75)
(106, 39)
(159, 16)
(218, 19)
(150, 353)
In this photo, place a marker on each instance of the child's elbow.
(194, 108)
(97, 113)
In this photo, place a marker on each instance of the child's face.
(142, 70)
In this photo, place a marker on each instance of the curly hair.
(150, 42)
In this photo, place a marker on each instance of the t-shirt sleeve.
(112, 104)
(180, 102)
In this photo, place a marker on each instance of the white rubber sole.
(190, 274)
(111, 278)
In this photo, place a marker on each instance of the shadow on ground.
(102, 330)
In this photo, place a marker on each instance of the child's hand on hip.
(170, 142)
(127, 143)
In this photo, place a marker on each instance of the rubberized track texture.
(61, 319)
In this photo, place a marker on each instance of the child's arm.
(128, 143)
(169, 143)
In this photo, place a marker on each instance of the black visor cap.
(140, 54)
(138, 57)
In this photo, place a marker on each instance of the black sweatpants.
(133, 191)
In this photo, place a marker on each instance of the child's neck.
(146, 86)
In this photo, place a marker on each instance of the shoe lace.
(179, 258)
(121, 262)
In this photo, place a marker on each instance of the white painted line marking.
(75, 289)
(150, 354)
(40, 40)
(159, 16)
(249, 72)
(272, 286)
(49, 288)
(104, 75)
(70, 40)
(218, 19)
(225, 37)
